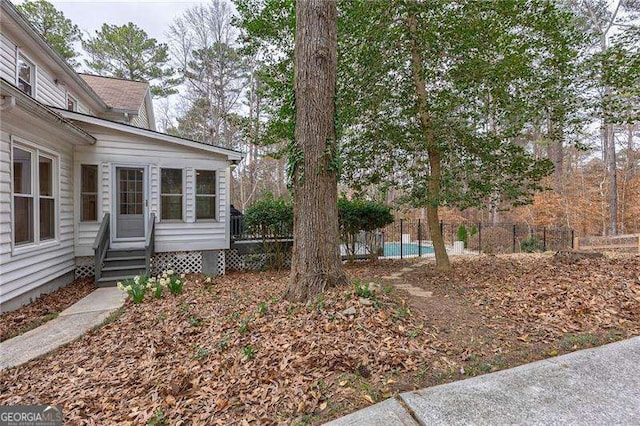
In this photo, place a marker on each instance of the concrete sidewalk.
(598, 386)
(72, 323)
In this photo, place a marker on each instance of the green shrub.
(531, 245)
(463, 235)
(270, 217)
(361, 215)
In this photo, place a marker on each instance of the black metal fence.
(240, 232)
(411, 237)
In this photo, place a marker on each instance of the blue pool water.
(393, 249)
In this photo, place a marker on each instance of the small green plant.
(249, 352)
(156, 287)
(531, 245)
(402, 312)
(184, 308)
(319, 302)
(135, 287)
(223, 344)
(195, 321)
(387, 289)
(263, 308)
(201, 353)
(172, 281)
(578, 341)
(157, 419)
(422, 372)
(413, 333)
(362, 290)
(244, 327)
(235, 315)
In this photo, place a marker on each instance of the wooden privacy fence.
(619, 243)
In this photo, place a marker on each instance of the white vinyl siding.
(116, 148)
(7, 59)
(27, 268)
(141, 120)
(48, 92)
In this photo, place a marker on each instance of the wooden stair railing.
(149, 244)
(101, 245)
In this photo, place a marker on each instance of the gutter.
(11, 97)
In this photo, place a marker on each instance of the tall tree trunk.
(435, 160)
(555, 151)
(609, 148)
(316, 263)
(612, 171)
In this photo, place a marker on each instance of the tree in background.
(204, 49)
(58, 31)
(315, 261)
(613, 77)
(435, 99)
(128, 52)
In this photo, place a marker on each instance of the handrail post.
(149, 247)
(101, 245)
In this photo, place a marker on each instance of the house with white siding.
(88, 186)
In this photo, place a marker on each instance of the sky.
(152, 16)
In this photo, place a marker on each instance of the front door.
(130, 200)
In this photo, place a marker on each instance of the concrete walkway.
(72, 323)
(598, 386)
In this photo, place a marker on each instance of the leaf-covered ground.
(231, 350)
(43, 309)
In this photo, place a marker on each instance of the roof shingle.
(118, 93)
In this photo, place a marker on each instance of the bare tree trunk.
(316, 263)
(435, 161)
(612, 171)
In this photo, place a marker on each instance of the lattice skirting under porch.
(85, 267)
(180, 261)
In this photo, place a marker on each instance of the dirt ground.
(232, 350)
(43, 309)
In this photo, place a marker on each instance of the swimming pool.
(408, 249)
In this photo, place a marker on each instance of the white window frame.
(183, 196)
(74, 100)
(49, 197)
(97, 219)
(36, 152)
(215, 195)
(34, 72)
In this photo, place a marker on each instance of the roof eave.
(232, 156)
(34, 107)
(12, 12)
